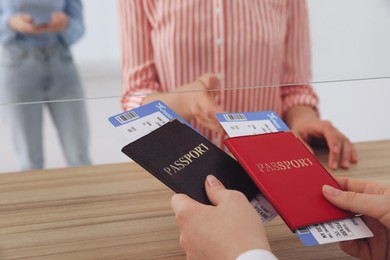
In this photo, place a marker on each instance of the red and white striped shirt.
(247, 43)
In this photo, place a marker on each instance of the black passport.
(181, 158)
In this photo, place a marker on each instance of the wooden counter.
(119, 211)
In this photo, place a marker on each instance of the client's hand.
(222, 231)
(372, 200)
(58, 23)
(23, 23)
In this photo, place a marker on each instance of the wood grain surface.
(119, 211)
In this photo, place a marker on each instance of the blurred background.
(350, 63)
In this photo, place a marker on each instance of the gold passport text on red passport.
(289, 176)
(284, 165)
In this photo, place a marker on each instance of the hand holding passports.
(278, 164)
(289, 176)
(182, 158)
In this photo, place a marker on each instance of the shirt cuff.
(8, 33)
(302, 95)
(131, 101)
(73, 32)
(256, 254)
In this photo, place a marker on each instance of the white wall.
(100, 44)
(351, 40)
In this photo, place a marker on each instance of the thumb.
(180, 202)
(57, 13)
(26, 18)
(214, 190)
(306, 144)
(214, 82)
(210, 80)
(367, 204)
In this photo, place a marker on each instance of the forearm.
(6, 32)
(299, 115)
(193, 100)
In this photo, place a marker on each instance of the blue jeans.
(36, 75)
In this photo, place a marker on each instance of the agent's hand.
(372, 200)
(306, 124)
(195, 100)
(222, 231)
(200, 101)
(23, 23)
(341, 151)
(58, 23)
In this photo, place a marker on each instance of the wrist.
(300, 115)
(255, 242)
(175, 101)
(256, 254)
(12, 24)
(183, 98)
(182, 105)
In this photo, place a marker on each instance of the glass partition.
(357, 108)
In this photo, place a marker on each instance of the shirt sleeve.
(297, 63)
(257, 254)
(6, 32)
(139, 76)
(75, 29)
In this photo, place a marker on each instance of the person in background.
(37, 66)
(233, 56)
(231, 229)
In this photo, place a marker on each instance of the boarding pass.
(252, 123)
(140, 121)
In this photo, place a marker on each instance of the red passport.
(289, 176)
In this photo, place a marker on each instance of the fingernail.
(354, 157)
(212, 181)
(346, 164)
(330, 190)
(334, 165)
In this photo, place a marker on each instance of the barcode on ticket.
(234, 117)
(126, 117)
(264, 213)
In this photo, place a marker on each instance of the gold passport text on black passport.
(186, 159)
(181, 158)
